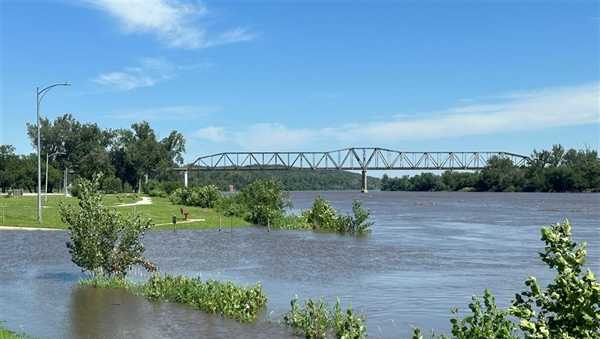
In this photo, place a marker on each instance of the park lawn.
(7, 334)
(21, 211)
(162, 210)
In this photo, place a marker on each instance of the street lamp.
(46, 190)
(39, 96)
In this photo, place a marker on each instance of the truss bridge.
(353, 158)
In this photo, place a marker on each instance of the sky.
(309, 75)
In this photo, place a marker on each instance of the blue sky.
(308, 75)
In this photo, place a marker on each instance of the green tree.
(265, 200)
(102, 241)
(500, 175)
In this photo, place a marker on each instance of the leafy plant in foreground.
(316, 320)
(102, 241)
(570, 306)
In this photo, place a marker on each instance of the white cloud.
(149, 72)
(211, 133)
(528, 111)
(174, 22)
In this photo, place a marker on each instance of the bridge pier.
(363, 187)
(185, 178)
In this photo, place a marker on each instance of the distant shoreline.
(29, 228)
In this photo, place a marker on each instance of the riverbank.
(20, 213)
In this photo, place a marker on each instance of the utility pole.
(39, 96)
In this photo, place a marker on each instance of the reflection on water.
(427, 253)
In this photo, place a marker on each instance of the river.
(428, 252)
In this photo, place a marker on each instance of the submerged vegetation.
(568, 308)
(223, 298)
(322, 216)
(317, 320)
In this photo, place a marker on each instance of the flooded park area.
(427, 252)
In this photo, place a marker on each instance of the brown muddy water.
(428, 252)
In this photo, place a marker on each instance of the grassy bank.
(8, 334)
(21, 211)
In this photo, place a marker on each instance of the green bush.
(265, 201)
(483, 323)
(322, 216)
(204, 196)
(569, 307)
(232, 206)
(316, 320)
(103, 241)
(225, 298)
(291, 222)
(111, 184)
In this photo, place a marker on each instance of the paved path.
(144, 201)
(23, 228)
(182, 222)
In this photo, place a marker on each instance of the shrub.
(490, 322)
(232, 206)
(570, 305)
(204, 196)
(359, 222)
(291, 222)
(111, 184)
(265, 201)
(322, 216)
(103, 241)
(316, 320)
(225, 298)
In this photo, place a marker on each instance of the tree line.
(555, 170)
(126, 157)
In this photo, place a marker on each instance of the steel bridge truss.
(355, 158)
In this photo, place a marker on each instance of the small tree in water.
(102, 241)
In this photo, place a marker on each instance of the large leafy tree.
(137, 153)
(83, 146)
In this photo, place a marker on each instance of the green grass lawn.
(7, 334)
(21, 211)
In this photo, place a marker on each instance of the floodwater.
(428, 252)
